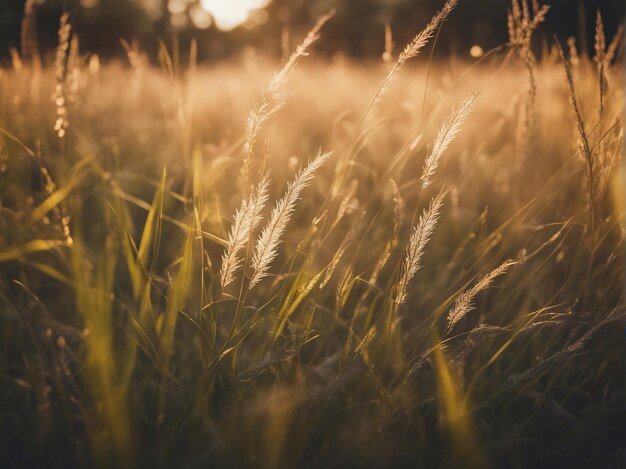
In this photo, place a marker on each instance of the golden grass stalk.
(343, 288)
(445, 136)
(60, 70)
(72, 80)
(573, 52)
(271, 101)
(418, 240)
(415, 46)
(411, 50)
(301, 51)
(612, 49)
(600, 58)
(536, 7)
(246, 220)
(586, 147)
(521, 25)
(267, 243)
(28, 34)
(512, 21)
(463, 304)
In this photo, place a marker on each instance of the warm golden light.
(476, 51)
(228, 14)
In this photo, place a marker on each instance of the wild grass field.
(409, 262)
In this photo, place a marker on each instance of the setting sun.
(230, 14)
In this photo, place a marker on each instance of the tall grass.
(185, 281)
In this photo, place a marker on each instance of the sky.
(231, 13)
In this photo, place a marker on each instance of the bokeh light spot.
(476, 51)
(228, 14)
(200, 18)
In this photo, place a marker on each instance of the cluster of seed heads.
(60, 71)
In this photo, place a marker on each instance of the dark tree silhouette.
(357, 30)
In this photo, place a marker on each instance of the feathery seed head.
(463, 304)
(445, 136)
(271, 101)
(416, 45)
(267, 243)
(420, 235)
(246, 220)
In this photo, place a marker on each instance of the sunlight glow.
(476, 51)
(228, 14)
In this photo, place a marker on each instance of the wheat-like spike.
(445, 136)
(60, 71)
(343, 288)
(525, 13)
(510, 26)
(526, 30)
(573, 52)
(539, 18)
(28, 36)
(463, 304)
(64, 32)
(418, 240)
(267, 243)
(519, 23)
(412, 49)
(516, 13)
(600, 48)
(271, 102)
(301, 51)
(525, 25)
(72, 79)
(535, 7)
(415, 46)
(586, 147)
(600, 39)
(612, 49)
(306, 288)
(246, 220)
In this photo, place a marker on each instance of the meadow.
(409, 262)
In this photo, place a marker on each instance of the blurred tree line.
(357, 30)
